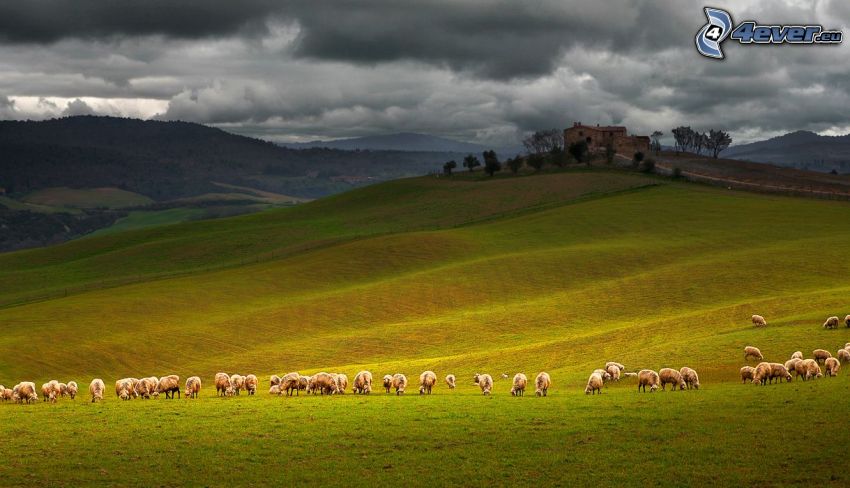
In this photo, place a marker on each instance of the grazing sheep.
(274, 380)
(542, 383)
(193, 387)
(484, 381)
(388, 382)
(759, 321)
(399, 383)
(648, 377)
(614, 371)
(274, 390)
(324, 383)
(51, 391)
(779, 372)
(237, 383)
(808, 369)
(630, 375)
(843, 355)
(251, 384)
(134, 385)
(362, 383)
(613, 363)
(847, 320)
(169, 385)
(797, 355)
(606, 377)
(505, 376)
(96, 388)
(303, 383)
(747, 373)
(341, 383)
(72, 389)
(427, 380)
(594, 384)
(762, 374)
(6, 394)
(831, 323)
(124, 389)
(670, 375)
(520, 382)
(691, 377)
(289, 383)
(63, 390)
(791, 364)
(25, 392)
(821, 355)
(752, 352)
(451, 381)
(832, 365)
(147, 387)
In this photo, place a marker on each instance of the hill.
(801, 149)
(405, 141)
(557, 272)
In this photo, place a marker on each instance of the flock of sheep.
(685, 378)
(765, 372)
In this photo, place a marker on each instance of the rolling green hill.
(558, 272)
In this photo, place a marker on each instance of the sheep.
(303, 383)
(134, 384)
(399, 383)
(251, 383)
(832, 366)
(690, 376)
(6, 394)
(594, 384)
(51, 391)
(779, 372)
(843, 355)
(762, 374)
(237, 383)
(648, 377)
(629, 374)
(791, 364)
(821, 355)
(847, 320)
(831, 323)
(72, 389)
(362, 383)
(96, 388)
(193, 387)
(753, 352)
(520, 382)
(484, 381)
(427, 380)
(341, 383)
(63, 390)
(124, 389)
(505, 376)
(289, 383)
(451, 381)
(169, 385)
(613, 363)
(147, 387)
(670, 375)
(747, 373)
(542, 383)
(274, 380)
(759, 321)
(847, 346)
(606, 377)
(274, 390)
(797, 355)
(808, 369)
(388, 382)
(614, 371)
(324, 383)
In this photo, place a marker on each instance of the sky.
(473, 70)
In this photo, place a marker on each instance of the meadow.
(558, 272)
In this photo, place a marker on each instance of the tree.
(656, 141)
(514, 164)
(535, 161)
(718, 140)
(558, 156)
(636, 159)
(648, 166)
(682, 136)
(578, 150)
(543, 141)
(448, 167)
(471, 162)
(491, 162)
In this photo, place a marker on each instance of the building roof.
(599, 127)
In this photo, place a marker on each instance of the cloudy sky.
(483, 71)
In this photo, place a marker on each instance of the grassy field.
(143, 219)
(86, 198)
(558, 272)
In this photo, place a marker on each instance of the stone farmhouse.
(599, 137)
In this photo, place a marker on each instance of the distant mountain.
(801, 149)
(405, 141)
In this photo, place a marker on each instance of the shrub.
(648, 166)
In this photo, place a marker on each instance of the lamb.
(797, 355)
(193, 387)
(341, 383)
(484, 381)
(606, 377)
(759, 321)
(72, 389)
(251, 383)
(274, 390)
(747, 373)
(648, 377)
(399, 383)
(451, 381)
(388, 382)
(690, 376)
(427, 380)
(289, 383)
(542, 383)
(274, 380)
(832, 366)
(612, 363)
(96, 388)
(324, 383)
(237, 383)
(169, 385)
(504, 376)
(147, 387)
(520, 382)
(843, 355)
(614, 371)
(779, 372)
(831, 323)
(762, 374)
(670, 375)
(821, 355)
(752, 352)
(124, 389)
(594, 384)
(362, 383)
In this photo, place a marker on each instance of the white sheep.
(484, 381)
(542, 383)
(832, 365)
(670, 375)
(519, 384)
(821, 355)
(762, 374)
(747, 373)
(831, 323)
(399, 383)
(759, 321)
(690, 376)
(594, 384)
(648, 377)
(362, 383)
(752, 352)
(427, 380)
(451, 381)
(96, 388)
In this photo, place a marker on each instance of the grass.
(558, 272)
(86, 198)
(142, 219)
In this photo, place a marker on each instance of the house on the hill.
(599, 137)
